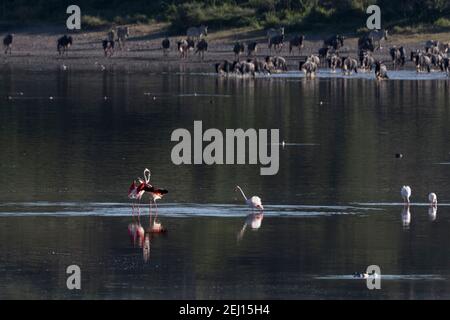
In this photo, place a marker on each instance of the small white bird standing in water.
(254, 202)
(432, 197)
(406, 194)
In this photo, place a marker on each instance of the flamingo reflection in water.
(136, 233)
(254, 220)
(406, 216)
(146, 247)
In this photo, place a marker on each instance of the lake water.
(72, 141)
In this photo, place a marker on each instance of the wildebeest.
(238, 49)
(334, 61)
(247, 67)
(202, 47)
(252, 47)
(309, 67)
(349, 65)
(446, 66)
(336, 42)
(183, 48)
(315, 59)
(111, 35)
(274, 33)
(122, 35)
(365, 43)
(196, 33)
(224, 67)
(296, 41)
(261, 66)
(422, 61)
(377, 36)
(398, 56)
(437, 60)
(276, 64)
(7, 43)
(324, 52)
(276, 42)
(108, 47)
(432, 46)
(366, 60)
(63, 44)
(380, 71)
(165, 45)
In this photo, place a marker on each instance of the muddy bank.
(35, 49)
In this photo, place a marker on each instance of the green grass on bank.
(402, 16)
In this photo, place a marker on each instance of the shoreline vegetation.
(345, 16)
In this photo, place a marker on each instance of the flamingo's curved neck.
(242, 192)
(147, 175)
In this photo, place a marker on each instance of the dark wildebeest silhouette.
(398, 56)
(252, 47)
(336, 42)
(365, 43)
(64, 44)
(296, 41)
(238, 49)
(7, 43)
(108, 47)
(224, 67)
(277, 43)
(122, 35)
(202, 47)
(165, 44)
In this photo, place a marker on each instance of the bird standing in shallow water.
(254, 202)
(406, 194)
(432, 197)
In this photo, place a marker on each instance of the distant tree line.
(230, 13)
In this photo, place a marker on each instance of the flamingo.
(137, 190)
(254, 202)
(406, 194)
(154, 194)
(432, 197)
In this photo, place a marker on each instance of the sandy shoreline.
(35, 49)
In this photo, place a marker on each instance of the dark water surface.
(71, 142)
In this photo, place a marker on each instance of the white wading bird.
(406, 194)
(432, 197)
(254, 202)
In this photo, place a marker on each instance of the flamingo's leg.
(139, 211)
(150, 212)
(156, 210)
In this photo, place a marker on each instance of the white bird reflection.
(406, 216)
(254, 220)
(432, 213)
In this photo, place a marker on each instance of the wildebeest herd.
(433, 57)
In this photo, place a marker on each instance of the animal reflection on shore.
(254, 220)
